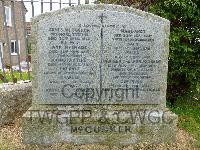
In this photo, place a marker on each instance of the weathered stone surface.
(15, 99)
(100, 55)
(111, 125)
(99, 76)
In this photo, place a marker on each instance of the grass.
(188, 110)
(17, 76)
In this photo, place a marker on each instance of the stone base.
(15, 100)
(103, 124)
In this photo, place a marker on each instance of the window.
(14, 47)
(8, 15)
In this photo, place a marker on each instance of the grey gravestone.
(100, 76)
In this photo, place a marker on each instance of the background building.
(18, 11)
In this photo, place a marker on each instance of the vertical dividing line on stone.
(50, 5)
(60, 4)
(1, 51)
(25, 37)
(42, 6)
(79, 2)
(32, 5)
(101, 55)
(16, 36)
(70, 3)
(7, 40)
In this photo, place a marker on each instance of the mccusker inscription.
(104, 121)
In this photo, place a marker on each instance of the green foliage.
(16, 75)
(140, 4)
(184, 57)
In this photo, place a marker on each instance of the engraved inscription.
(100, 60)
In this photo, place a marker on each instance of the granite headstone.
(100, 72)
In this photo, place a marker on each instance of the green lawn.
(188, 110)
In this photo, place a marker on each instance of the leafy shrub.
(184, 57)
